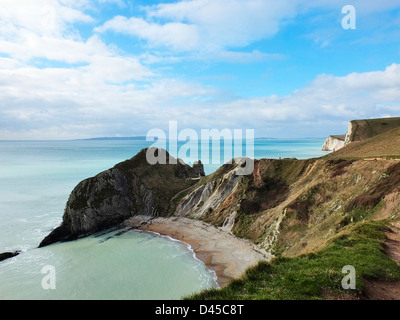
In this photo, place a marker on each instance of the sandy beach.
(220, 251)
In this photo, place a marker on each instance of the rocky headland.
(132, 187)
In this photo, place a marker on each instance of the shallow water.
(134, 265)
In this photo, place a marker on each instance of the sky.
(72, 69)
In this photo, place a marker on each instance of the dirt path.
(381, 290)
(393, 243)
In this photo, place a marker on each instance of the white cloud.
(29, 45)
(37, 99)
(179, 36)
(44, 29)
(44, 17)
(44, 103)
(241, 57)
(228, 23)
(205, 25)
(326, 99)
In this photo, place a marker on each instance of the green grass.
(310, 276)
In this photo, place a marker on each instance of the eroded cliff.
(293, 207)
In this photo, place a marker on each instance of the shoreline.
(190, 248)
(223, 253)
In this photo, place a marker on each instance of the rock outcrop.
(133, 187)
(334, 143)
(198, 167)
(8, 255)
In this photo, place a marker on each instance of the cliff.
(292, 207)
(334, 143)
(132, 187)
(360, 130)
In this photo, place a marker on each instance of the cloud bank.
(57, 84)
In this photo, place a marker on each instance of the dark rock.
(61, 233)
(7, 255)
(199, 168)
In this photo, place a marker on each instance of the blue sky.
(89, 68)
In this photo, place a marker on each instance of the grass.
(242, 224)
(312, 276)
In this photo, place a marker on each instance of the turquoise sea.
(36, 178)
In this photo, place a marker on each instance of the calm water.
(36, 178)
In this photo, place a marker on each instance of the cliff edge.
(360, 130)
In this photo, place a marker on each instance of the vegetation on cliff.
(317, 216)
(317, 275)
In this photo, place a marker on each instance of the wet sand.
(222, 252)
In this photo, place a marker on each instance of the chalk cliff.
(334, 143)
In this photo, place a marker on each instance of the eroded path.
(382, 290)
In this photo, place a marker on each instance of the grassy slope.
(368, 128)
(348, 196)
(316, 275)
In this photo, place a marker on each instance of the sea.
(36, 178)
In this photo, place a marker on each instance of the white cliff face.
(351, 128)
(334, 143)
